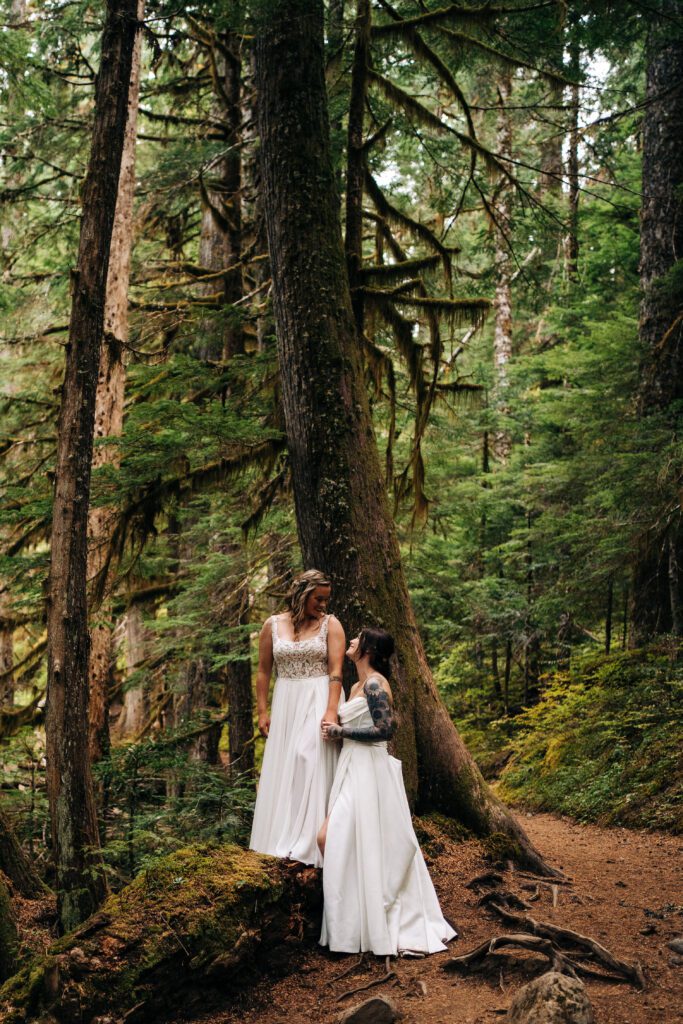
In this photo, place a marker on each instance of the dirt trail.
(623, 881)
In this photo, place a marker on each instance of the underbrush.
(603, 744)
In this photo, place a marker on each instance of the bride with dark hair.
(378, 895)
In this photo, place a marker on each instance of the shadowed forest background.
(508, 178)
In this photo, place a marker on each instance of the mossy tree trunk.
(111, 383)
(344, 523)
(80, 882)
(657, 593)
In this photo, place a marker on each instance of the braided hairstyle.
(302, 586)
(379, 646)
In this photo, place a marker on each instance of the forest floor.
(623, 882)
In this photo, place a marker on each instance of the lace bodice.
(299, 659)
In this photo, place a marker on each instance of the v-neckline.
(286, 640)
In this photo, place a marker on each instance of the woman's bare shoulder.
(334, 626)
(378, 681)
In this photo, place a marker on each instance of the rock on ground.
(373, 1011)
(551, 999)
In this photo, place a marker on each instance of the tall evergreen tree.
(80, 883)
(657, 578)
(345, 527)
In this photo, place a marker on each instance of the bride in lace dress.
(306, 645)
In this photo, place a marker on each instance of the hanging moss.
(200, 922)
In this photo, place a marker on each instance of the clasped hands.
(331, 730)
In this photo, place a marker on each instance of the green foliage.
(605, 742)
(158, 800)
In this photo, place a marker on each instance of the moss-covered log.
(201, 922)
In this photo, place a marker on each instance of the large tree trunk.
(656, 592)
(573, 154)
(345, 527)
(6, 652)
(220, 248)
(9, 937)
(502, 330)
(80, 882)
(15, 864)
(109, 416)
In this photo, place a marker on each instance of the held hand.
(331, 731)
(264, 723)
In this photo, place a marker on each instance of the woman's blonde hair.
(303, 585)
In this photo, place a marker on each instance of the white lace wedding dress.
(378, 895)
(298, 766)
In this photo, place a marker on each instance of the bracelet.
(335, 679)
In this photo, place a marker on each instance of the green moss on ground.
(198, 919)
(605, 743)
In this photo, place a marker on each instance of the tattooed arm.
(384, 721)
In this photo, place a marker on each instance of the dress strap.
(323, 628)
(273, 627)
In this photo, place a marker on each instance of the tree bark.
(80, 882)
(135, 698)
(345, 527)
(655, 601)
(109, 417)
(502, 331)
(355, 160)
(15, 864)
(6, 653)
(221, 247)
(573, 156)
(9, 937)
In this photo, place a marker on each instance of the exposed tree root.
(489, 880)
(503, 898)
(349, 970)
(565, 949)
(558, 961)
(389, 975)
(570, 941)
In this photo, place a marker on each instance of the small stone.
(676, 944)
(649, 929)
(676, 960)
(551, 999)
(377, 1010)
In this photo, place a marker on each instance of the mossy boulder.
(203, 921)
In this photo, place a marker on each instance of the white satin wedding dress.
(378, 895)
(298, 766)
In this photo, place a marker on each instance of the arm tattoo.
(382, 716)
